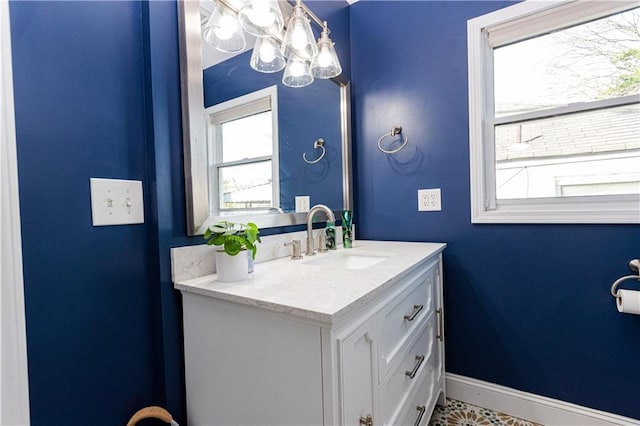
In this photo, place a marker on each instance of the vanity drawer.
(417, 412)
(400, 319)
(399, 386)
(419, 408)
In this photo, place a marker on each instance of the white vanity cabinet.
(377, 359)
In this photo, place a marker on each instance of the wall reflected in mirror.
(304, 115)
(219, 186)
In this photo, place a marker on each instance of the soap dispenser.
(330, 232)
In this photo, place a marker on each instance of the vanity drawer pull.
(416, 311)
(440, 334)
(366, 421)
(421, 410)
(413, 372)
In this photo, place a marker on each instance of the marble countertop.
(318, 292)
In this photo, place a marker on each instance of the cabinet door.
(357, 374)
(247, 367)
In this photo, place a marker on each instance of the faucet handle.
(296, 254)
(322, 244)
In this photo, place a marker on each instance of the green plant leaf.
(252, 234)
(232, 246)
(234, 237)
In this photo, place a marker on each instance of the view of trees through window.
(567, 117)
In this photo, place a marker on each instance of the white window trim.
(507, 25)
(14, 380)
(243, 103)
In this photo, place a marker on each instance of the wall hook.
(396, 130)
(319, 143)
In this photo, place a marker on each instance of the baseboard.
(535, 408)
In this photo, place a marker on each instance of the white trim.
(607, 209)
(506, 25)
(14, 384)
(532, 407)
(485, 208)
(567, 109)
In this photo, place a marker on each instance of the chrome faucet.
(330, 217)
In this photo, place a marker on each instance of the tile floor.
(458, 413)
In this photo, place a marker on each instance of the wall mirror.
(311, 120)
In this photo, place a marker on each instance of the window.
(243, 153)
(554, 113)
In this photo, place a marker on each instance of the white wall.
(14, 393)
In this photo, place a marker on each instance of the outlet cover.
(429, 200)
(116, 202)
(303, 203)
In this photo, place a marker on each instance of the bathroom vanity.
(350, 337)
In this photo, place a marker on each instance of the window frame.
(515, 23)
(243, 106)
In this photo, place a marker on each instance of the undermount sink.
(346, 260)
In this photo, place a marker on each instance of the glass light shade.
(261, 18)
(266, 56)
(297, 73)
(223, 32)
(326, 63)
(299, 40)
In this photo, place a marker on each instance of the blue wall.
(80, 113)
(527, 306)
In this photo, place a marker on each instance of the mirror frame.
(195, 140)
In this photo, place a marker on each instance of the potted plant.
(235, 238)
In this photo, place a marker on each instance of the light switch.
(116, 202)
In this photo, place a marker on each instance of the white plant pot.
(231, 268)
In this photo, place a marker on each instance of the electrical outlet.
(303, 203)
(429, 200)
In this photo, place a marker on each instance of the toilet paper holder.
(634, 265)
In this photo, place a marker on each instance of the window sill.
(612, 209)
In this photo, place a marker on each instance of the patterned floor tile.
(458, 413)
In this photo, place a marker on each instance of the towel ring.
(635, 266)
(319, 143)
(397, 130)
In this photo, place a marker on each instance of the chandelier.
(291, 47)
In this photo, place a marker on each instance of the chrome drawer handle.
(440, 334)
(416, 311)
(412, 373)
(366, 421)
(421, 410)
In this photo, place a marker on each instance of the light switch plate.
(303, 203)
(116, 202)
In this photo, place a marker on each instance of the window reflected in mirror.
(242, 140)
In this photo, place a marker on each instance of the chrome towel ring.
(397, 130)
(319, 143)
(635, 266)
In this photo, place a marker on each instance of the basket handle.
(153, 413)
